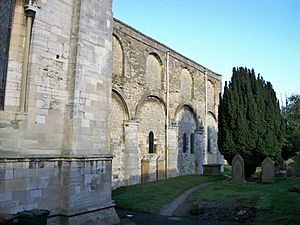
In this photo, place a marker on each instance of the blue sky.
(221, 34)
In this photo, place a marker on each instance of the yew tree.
(291, 115)
(250, 121)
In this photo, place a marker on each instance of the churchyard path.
(169, 209)
(165, 217)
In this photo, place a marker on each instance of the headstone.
(293, 166)
(268, 171)
(238, 172)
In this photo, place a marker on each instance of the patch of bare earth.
(234, 213)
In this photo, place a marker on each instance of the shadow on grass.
(151, 197)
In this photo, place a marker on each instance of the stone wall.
(169, 105)
(57, 184)
(55, 151)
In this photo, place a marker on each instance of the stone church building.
(163, 112)
(88, 103)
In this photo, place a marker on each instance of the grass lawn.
(151, 197)
(262, 196)
(273, 199)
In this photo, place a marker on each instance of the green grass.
(274, 196)
(227, 171)
(151, 197)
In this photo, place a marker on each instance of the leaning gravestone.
(238, 172)
(268, 171)
(293, 166)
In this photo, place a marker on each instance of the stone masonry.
(170, 96)
(55, 126)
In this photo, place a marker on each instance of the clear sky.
(221, 34)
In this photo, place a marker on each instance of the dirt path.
(169, 209)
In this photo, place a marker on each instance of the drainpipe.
(167, 113)
(30, 11)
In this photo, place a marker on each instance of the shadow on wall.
(187, 147)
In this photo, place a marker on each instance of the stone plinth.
(212, 169)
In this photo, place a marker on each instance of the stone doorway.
(145, 170)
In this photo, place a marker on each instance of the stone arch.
(213, 115)
(212, 133)
(186, 84)
(151, 115)
(122, 98)
(147, 96)
(211, 95)
(154, 72)
(187, 123)
(117, 56)
(189, 107)
(119, 114)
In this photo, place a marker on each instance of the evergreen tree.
(250, 121)
(291, 114)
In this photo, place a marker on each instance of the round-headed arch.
(210, 113)
(122, 98)
(154, 72)
(117, 56)
(147, 97)
(189, 107)
(157, 57)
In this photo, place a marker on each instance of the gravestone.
(268, 171)
(238, 172)
(293, 166)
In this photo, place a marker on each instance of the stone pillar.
(131, 153)
(89, 80)
(199, 150)
(88, 117)
(30, 11)
(173, 150)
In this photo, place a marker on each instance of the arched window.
(209, 136)
(117, 57)
(184, 143)
(151, 142)
(6, 9)
(192, 142)
(210, 96)
(153, 72)
(186, 84)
